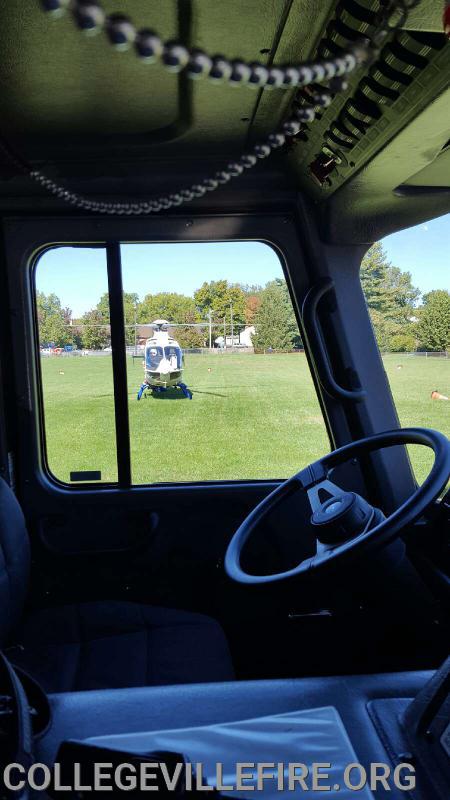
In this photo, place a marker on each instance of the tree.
(222, 300)
(385, 330)
(130, 307)
(54, 331)
(403, 343)
(252, 303)
(434, 322)
(275, 322)
(390, 297)
(250, 288)
(189, 337)
(403, 293)
(67, 315)
(374, 279)
(176, 308)
(47, 305)
(95, 333)
(103, 307)
(52, 326)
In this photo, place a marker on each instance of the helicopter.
(163, 363)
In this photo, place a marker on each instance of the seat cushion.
(112, 645)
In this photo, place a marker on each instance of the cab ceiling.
(109, 126)
(66, 94)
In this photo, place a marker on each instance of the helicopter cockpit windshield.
(154, 357)
(156, 353)
(174, 356)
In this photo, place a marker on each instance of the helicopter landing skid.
(187, 392)
(146, 387)
(142, 389)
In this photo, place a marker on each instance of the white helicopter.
(163, 362)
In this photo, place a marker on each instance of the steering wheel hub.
(343, 517)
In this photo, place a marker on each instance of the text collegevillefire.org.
(246, 776)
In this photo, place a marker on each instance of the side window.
(217, 380)
(227, 332)
(72, 310)
(405, 280)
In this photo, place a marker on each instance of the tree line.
(403, 319)
(228, 306)
(400, 321)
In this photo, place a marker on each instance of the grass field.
(252, 416)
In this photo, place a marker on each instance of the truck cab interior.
(169, 596)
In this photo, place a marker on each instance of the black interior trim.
(119, 361)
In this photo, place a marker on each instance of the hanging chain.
(121, 33)
(91, 18)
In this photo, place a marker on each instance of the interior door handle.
(317, 346)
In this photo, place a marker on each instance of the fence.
(199, 351)
(420, 354)
(73, 353)
(217, 351)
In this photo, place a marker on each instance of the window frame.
(85, 233)
(38, 383)
(305, 259)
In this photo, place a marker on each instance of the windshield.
(174, 356)
(405, 282)
(153, 357)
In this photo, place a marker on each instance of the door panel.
(162, 544)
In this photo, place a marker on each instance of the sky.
(78, 275)
(424, 251)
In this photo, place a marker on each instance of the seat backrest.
(14, 562)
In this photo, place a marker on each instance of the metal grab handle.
(315, 341)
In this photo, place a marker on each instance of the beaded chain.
(90, 17)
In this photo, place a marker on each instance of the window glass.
(174, 355)
(72, 309)
(215, 320)
(153, 357)
(218, 384)
(406, 283)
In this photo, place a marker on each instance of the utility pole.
(224, 334)
(210, 329)
(135, 329)
(232, 328)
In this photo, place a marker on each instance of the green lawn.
(251, 416)
(411, 388)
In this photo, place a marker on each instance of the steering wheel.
(346, 524)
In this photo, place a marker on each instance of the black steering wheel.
(347, 525)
